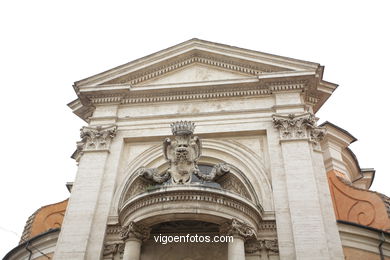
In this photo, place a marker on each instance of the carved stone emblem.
(182, 153)
(235, 227)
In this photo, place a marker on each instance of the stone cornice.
(263, 74)
(225, 55)
(246, 88)
(195, 57)
(172, 198)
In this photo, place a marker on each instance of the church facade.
(208, 140)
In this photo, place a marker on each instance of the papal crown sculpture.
(182, 153)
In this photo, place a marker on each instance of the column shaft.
(236, 249)
(132, 249)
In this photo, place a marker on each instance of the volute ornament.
(135, 231)
(235, 227)
(97, 137)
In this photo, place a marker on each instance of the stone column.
(240, 232)
(92, 153)
(298, 137)
(133, 235)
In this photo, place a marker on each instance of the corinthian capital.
(134, 231)
(303, 126)
(237, 228)
(97, 137)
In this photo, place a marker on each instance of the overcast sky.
(47, 45)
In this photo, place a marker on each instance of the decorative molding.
(172, 197)
(134, 231)
(287, 85)
(211, 92)
(266, 226)
(106, 99)
(298, 127)
(311, 100)
(113, 229)
(268, 245)
(255, 89)
(96, 137)
(235, 227)
(225, 64)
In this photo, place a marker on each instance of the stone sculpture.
(182, 153)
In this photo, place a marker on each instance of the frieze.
(256, 89)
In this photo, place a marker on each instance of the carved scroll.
(357, 205)
(235, 227)
(218, 170)
(134, 231)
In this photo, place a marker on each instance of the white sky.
(47, 45)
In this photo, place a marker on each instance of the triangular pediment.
(204, 69)
(195, 73)
(197, 60)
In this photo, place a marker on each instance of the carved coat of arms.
(182, 152)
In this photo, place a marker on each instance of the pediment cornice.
(195, 57)
(235, 72)
(197, 51)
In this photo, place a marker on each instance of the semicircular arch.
(245, 164)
